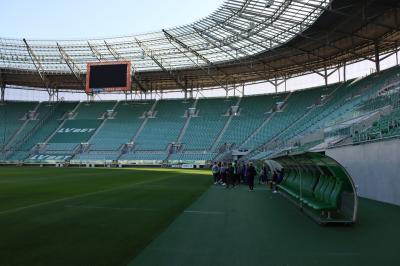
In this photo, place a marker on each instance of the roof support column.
(89, 97)
(377, 59)
(285, 79)
(326, 76)
(243, 89)
(397, 55)
(226, 90)
(344, 71)
(3, 92)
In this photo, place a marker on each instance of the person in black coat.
(230, 178)
(251, 173)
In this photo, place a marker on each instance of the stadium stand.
(202, 129)
(121, 128)
(13, 116)
(45, 120)
(93, 110)
(253, 111)
(386, 127)
(78, 129)
(165, 126)
(295, 108)
(208, 123)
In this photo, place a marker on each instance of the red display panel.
(108, 76)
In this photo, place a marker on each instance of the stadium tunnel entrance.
(318, 185)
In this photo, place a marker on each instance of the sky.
(86, 19)
(83, 19)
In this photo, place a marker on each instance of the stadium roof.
(242, 41)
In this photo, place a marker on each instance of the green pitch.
(51, 216)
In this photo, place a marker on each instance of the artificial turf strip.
(237, 227)
(51, 216)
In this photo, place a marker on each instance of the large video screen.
(108, 76)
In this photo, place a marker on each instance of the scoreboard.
(108, 76)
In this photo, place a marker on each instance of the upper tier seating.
(296, 106)
(165, 127)
(83, 125)
(252, 113)
(12, 115)
(75, 131)
(40, 130)
(121, 129)
(204, 129)
(93, 110)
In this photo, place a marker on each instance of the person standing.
(245, 173)
(241, 171)
(280, 176)
(262, 179)
(230, 176)
(222, 175)
(274, 179)
(236, 176)
(251, 173)
(215, 172)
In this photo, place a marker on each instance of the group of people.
(234, 173)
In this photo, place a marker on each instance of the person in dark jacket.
(246, 173)
(230, 176)
(274, 180)
(251, 173)
(262, 179)
(280, 176)
(222, 174)
(236, 175)
(215, 172)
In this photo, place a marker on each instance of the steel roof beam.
(149, 53)
(273, 50)
(188, 49)
(213, 38)
(95, 52)
(112, 51)
(36, 62)
(329, 44)
(117, 56)
(315, 40)
(263, 37)
(76, 71)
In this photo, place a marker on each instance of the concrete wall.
(375, 168)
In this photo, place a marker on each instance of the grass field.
(147, 217)
(54, 216)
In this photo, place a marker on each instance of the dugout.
(318, 185)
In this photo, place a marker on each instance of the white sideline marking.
(80, 196)
(204, 212)
(113, 208)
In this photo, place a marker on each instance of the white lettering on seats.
(76, 130)
(42, 157)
